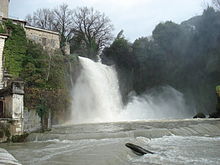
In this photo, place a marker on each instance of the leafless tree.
(59, 19)
(42, 18)
(93, 28)
(216, 3)
(63, 22)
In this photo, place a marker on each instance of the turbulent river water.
(175, 142)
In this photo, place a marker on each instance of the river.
(173, 141)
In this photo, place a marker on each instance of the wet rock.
(137, 149)
(214, 115)
(199, 115)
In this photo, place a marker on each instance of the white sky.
(136, 17)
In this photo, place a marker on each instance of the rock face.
(214, 115)
(199, 115)
(6, 158)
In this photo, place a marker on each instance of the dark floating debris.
(137, 149)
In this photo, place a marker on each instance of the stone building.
(16, 21)
(2, 43)
(50, 40)
(4, 8)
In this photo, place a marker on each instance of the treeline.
(185, 56)
(87, 30)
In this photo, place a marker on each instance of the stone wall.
(7, 107)
(48, 39)
(32, 121)
(12, 122)
(9, 128)
(2, 43)
(4, 8)
(18, 106)
(4, 130)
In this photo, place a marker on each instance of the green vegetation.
(185, 56)
(15, 49)
(2, 28)
(47, 81)
(218, 88)
(45, 73)
(19, 138)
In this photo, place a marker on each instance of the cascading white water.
(96, 98)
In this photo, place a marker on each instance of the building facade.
(4, 8)
(2, 43)
(50, 40)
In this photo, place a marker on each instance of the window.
(44, 41)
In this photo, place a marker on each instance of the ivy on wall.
(2, 28)
(15, 48)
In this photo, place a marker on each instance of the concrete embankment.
(149, 129)
(7, 158)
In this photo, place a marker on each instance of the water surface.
(174, 142)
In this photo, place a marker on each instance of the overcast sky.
(136, 17)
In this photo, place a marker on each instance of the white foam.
(180, 150)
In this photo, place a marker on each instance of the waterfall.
(96, 98)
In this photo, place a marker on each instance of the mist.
(159, 103)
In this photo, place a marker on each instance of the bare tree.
(93, 29)
(90, 29)
(216, 3)
(63, 22)
(59, 19)
(42, 18)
